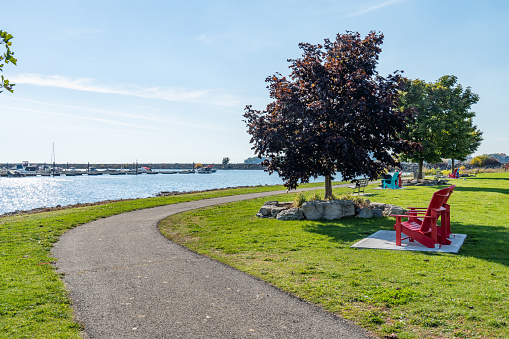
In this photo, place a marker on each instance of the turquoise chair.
(392, 182)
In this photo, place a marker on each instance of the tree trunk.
(419, 172)
(328, 187)
(452, 165)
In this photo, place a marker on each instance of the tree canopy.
(226, 162)
(442, 122)
(7, 56)
(334, 114)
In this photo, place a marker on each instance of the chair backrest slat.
(437, 202)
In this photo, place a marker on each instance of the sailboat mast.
(53, 158)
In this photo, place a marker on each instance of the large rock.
(329, 210)
(276, 210)
(313, 210)
(365, 212)
(294, 213)
(393, 209)
(272, 208)
(388, 209)
(266, 209)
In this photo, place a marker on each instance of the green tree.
(226, 162)
(334, 114)
(484, 160)
(461, 137)
(7, 56)
(442, 122)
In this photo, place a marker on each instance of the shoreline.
(103, 202)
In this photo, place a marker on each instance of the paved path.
(126, 280)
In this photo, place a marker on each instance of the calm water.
(32, 192)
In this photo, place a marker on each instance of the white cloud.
(86, 118)
(213, 97)
(374, 7)
(114, 113)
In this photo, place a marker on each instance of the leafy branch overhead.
(334, 114)
(6, 57)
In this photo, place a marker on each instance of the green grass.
(411, 294)
(33, 300)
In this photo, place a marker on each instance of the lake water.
(26, 193)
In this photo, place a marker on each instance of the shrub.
(299, 200)
(430, 171)
(357, 199)
(315, 196)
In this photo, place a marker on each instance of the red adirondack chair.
(455, 175)
(445, 220)
(422, 224)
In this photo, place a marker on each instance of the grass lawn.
(408, 294)
(33, 301)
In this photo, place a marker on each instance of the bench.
(359, 185)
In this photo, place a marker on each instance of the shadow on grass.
(350, 229)
(481, 189)
(482, 242)
(476, 178)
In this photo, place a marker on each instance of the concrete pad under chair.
(386, 240)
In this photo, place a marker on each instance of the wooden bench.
(359, 185)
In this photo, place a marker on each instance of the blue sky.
(167, 81)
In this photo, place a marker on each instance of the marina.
(26, 170)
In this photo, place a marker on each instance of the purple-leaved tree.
(334, 114)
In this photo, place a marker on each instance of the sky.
(167, 81)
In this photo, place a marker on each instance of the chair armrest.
(410, 216)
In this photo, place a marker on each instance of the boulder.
(387, 209)
(365, 212)
(377, 213)
(294, 213)
(393, 209)
(377, 205)
(264, 211)
(329, 210)
(276, 210)
(332, 210)
(313, 210)
(272, 208)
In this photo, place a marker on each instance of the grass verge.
(33, 300)
(392, 293)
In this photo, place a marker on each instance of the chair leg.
(398, 232)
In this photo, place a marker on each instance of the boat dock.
(14, 173)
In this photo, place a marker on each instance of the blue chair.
(393, 182)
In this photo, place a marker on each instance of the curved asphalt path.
(126, 280)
